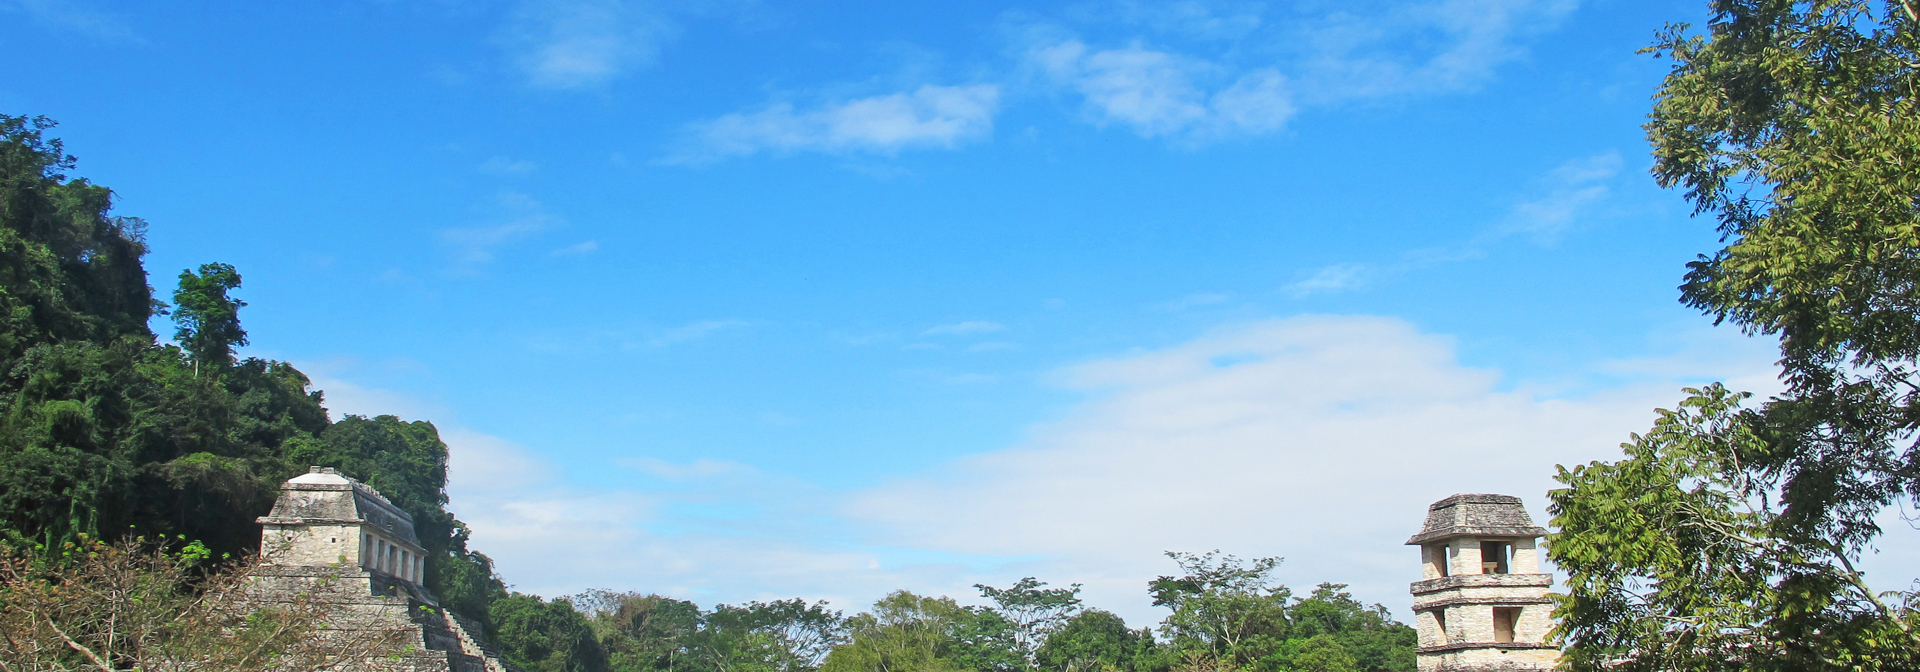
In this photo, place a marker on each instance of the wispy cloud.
(694, 331)
(501, 165)
(73, 17)
(1572, 190)
(700, 469)
(1190, 73)
(970, 327)
(1195, 301)
(1171, 450)
(567, 44)
(1329, 279)
(1162, 94)
(1195, 72)
(1190, 18)
(522, 217)
(1352, 424)
(1556, 203)
(927, 117)
(1443, 45)
(577, 249)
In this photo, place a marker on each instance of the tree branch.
(104, 667)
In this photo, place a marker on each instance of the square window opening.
(1494, 557)
(1504, 619)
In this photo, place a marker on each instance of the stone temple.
(1481, 603)
(328, 532)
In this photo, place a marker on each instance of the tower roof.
(1477, 515)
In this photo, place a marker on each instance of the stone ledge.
(1482, 581)
(330, 487)
(1491, 532)
(1463, 646)
(1487, 601)
(270, 520)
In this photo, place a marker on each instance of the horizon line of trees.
(1224, 614)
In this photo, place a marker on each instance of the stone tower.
(332, 534)
(1481, 603)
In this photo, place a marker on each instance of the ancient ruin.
(333, 534)
(1481, 603)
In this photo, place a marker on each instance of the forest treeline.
(107, 432)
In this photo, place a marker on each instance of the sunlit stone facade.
(336, 535)
(1481, 603)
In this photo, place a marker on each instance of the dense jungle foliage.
(108, 433)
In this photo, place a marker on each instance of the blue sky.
(736, 300)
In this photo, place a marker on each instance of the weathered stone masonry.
(1481, 603)
(330, 533)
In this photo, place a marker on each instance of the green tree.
(783, 635)
(1032, 610)
(903, 633)
(542, 636)
(71, 271)
(644, 632)
(1330, 626)
(1091, 641)
(1727, 537)
(105, 432)
(1319, 653)
(1229, 610)
(209, 319)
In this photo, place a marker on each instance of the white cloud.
(1444, 45)
(577, 249)
(74, 17)
(565, 44)
(1571, 190)
(1248, 76)
(927, 117)
(485, 463)
(1329, 279)
(1321, 439)
(1563, 197)
(1157, 93)
(1202, 20)
(968, 327)
(694, 331)
(501, 165)
(1194, 301)
(520, 217)
(702, 468)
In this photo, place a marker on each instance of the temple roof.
(1477, 515)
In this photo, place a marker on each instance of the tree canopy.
(106, 432)
(1728, 538)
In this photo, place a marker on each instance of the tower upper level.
(1477, 515)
